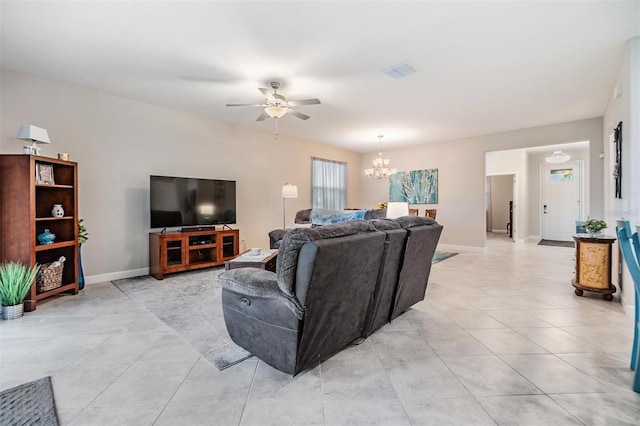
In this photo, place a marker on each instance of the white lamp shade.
(33, 133)
(289, 191)
(397, 209)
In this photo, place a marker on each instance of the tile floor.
(500, 339)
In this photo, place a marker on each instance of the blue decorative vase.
(46, 237)
(80, 272)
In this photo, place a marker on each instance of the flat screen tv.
(181, 201)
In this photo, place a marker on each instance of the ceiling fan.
(276, 105)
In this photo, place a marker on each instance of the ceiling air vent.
(399, 70)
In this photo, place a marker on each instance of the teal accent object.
(46, 237)
(630, 255)
(80, 271)
(327, 217)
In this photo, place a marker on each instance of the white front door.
(560, 200)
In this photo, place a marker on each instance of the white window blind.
(329, 184)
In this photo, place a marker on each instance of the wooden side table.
(593, 265)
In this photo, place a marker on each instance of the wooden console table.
(184, 251)
(593, 265)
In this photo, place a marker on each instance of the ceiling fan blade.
(262, 116)
(260, 105)
(304, 102)
(297, 114)
(266, 93)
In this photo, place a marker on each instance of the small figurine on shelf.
(83, 236)
(46, 237)
(57, 210)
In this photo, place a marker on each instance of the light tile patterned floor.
(500, 339)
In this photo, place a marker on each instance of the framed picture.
(44, 174)
(414, 187)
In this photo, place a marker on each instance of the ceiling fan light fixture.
(558, 157)
(275, 111)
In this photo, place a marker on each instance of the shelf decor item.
(47, 237)
(44, 174)
(83, 236)
(15, 282)
(594, 226)
(50, 275)
(57, 210)
(36, 135)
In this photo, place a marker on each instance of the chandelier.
(380, 167)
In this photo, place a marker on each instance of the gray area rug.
(190, 304)
(439, 256)
(555, 243)
(29, 404)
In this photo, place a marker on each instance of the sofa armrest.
(253, 282)
(276, 236)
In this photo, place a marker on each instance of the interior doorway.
(561, 200)
(501, 205)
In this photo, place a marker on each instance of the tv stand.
(198, 228)
(180, 251)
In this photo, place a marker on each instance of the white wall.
(461, 173)
(119, 142)
(626, 108)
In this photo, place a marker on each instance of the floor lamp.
(288, 191)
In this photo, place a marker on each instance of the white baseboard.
(499, 231)
(93, 279)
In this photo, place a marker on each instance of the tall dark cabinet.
(29, 187)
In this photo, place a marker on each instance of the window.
(329, 183)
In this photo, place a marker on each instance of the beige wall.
(501, 194)
(119, 142)
(512, 162)
(461, 173)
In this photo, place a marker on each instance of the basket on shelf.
(50, 275)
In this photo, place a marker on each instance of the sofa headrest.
(384, 224)
(376, 214)
(293, 241)
(411, 221)
(302, 216)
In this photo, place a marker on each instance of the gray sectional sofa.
(333, 285)
(303, 218)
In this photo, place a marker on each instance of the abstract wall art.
(414, 187)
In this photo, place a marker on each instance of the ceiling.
(482, 67)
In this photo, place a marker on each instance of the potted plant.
(15, 282)
(83, 236)
(594, 226)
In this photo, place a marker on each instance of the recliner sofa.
(333, 284)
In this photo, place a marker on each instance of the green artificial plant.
(594, 225)
(15, 282)
(83, 235)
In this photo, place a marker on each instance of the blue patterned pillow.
(327, 217)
